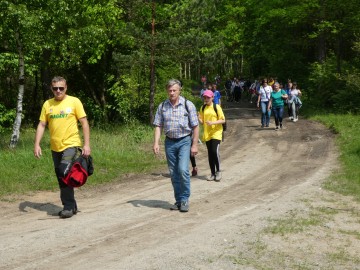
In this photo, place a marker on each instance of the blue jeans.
(265, 114)
(177, 155)
(278, 114)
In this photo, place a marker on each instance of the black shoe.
(67, 213)
(176, 206)
(184, 207)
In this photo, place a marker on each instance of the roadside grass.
(347, 127)
(116, 151)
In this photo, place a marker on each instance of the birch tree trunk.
(17, 123)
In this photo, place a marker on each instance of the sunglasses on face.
(55, 88)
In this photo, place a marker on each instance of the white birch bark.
(19, 108)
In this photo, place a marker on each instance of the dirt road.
(128, 225)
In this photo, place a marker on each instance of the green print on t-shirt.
(54, 116)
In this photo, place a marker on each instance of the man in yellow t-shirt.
(213, 131)
(62, 114)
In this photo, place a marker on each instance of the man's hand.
(86, 151)
(37, 151)
(194, 150)
(156, 148)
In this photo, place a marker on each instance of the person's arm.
(38, 136)
(284, 94)
(156, 146)
(270, 102)
(86, 133)
(200, 118)
(259, 97)
(195, 139)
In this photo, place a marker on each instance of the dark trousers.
(60, 159)
(193, 161)
(213, 155)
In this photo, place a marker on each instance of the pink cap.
(208, 93)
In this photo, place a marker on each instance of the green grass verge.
(116, 151)
(347, 180)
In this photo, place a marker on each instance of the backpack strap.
(186, 107)
(215, 109)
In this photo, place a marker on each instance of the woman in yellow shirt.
(213, 132)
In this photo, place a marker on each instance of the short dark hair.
(58, 79)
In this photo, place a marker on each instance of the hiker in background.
(217, 95)
(213, 131)
(194, 171)
(288, 92)
(295, 102)
(252, 91)
(237, 90)
(177, 117)
(276, 103)
(62, 114)
(263, 100)
(228, 92)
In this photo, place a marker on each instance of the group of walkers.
(176, 117)
(273, 98)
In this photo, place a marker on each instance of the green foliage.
(6, 118)
(104, 48)
(337, 92)
(128, 103)
(347, 127)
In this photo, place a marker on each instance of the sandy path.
(128, 225)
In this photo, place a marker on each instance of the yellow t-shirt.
(209, 114)
(62, 118)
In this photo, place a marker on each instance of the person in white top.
(263, 100)
(295, 102)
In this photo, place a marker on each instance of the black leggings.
(213, 155)
(193, 162)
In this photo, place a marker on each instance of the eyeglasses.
(55, 88)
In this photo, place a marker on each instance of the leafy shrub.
(6, 118)
(334, 91)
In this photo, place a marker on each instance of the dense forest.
(118, 54)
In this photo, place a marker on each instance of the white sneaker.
(295, 119)
(291, 118)
(211, 178)
(218, 176)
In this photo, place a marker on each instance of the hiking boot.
(194, 172)
(184, 207)
(66, 213)
(176, 206)
(211, 177)
(218, 176)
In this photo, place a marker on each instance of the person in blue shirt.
(217, 95)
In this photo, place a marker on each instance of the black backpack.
(215, 109)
